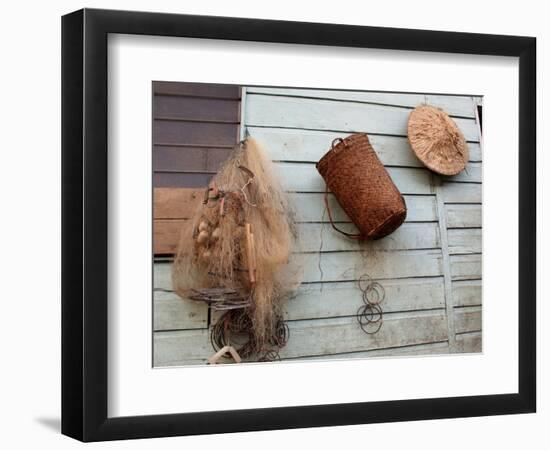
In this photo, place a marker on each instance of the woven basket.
(363, 187)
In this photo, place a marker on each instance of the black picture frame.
(84, 224)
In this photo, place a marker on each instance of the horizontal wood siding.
(305, 178)
(297, 126)
(174, 204)
(283, 111)
(195, 127)
(171, 312)
(455, 106)
(392, 150)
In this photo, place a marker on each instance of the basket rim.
(331, 153)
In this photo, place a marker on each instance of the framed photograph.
(273, 224)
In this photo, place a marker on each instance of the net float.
(202, 238)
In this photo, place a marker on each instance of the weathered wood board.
(429, 309)
(466, 267)
(346, 266)
(462, 192)
(463, 216)
(172, 312)
(469, 342)
(462, 241)
(310, 207)
(329, 115)
(432, 348)
(298, 177)
(331, 336)
(315, 237)
(309, 146)
(458, 106)
(468, 319)
(467, 292)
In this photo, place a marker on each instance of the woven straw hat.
(436, 140)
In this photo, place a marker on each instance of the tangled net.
(235, 250)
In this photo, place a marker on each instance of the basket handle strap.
(350, 235)
(337, 141)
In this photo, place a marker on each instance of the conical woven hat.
(437, 141)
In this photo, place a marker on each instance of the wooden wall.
(195, 127)
(430, 267)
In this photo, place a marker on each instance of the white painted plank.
(310, 207)
(467, 319)
(467, 292)
(343, 266)
(346, 266)
(178, 348)
(324, 300)
(312, 337)
(420, 208)
(461, 192)
(471, 173)
(173, 313)
(464, 240)
(384, 98)
(304, 177)
(162, 276)
(465, 267)
(330, 336)
(475, 152)
(463, 216)
(469, 342)
(288, 112)
(316, 237)
(435, 348)
(453, 105)
(309, 146)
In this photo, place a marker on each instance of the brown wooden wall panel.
(216, 157)
(190, 159)
(197, 89)
(174, 158)
(207, 109)
(175, 203)
(195, 128)
(167, 234)
(181, 180)
(193, 133)
(172, 206)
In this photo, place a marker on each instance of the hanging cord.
(249, 181)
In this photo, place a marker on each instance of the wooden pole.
(250, 254)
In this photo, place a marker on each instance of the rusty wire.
(234, 328)
(370, 313)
